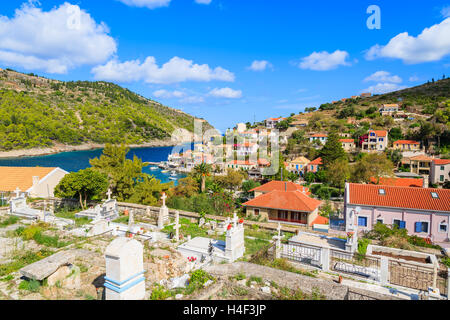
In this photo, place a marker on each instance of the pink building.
(423, 212)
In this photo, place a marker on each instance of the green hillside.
(39, 112)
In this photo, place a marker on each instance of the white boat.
(173, 174)
(173, 178)
(165, 171)
(154, 168)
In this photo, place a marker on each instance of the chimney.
(35, 181)
(426, 181)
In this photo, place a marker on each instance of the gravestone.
(177, 226)
(201, 222)
(213, 225)
(163, 217)
(124, 278)
(18, 207)
(234, 240)
(131, 220)
(108, 210)
(278, 238)
(98, 227)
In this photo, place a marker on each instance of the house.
(440, 171)
(240, 164)
(271, 123)
(389, 109)
(246, 149)
(318, 137)
(251, 135)
(420, 164)
(366, 95)
(399, 182)
(241, 127)
(36, 182)
(299, 123)
(349, 145)
(422, 212)
(407, 145)
(374, 140)
(279, 201)
(314, 166)
(297, 165)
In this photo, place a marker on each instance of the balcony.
(303, 222)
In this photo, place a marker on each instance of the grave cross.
(279, 229)
(109, 193)
(17, 192)
(163, 198)
(235, 219)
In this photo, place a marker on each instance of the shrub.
(30, 285)
(160, 293)
(10, 221)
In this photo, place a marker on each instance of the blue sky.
(230, 61)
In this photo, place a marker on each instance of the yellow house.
(297, 165)
(407, 145)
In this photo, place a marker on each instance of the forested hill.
(39, 112)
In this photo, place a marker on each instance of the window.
(441, 178)
(434, 195)
(256, 212)
(362, 221)
(382, 192)
(399, 223)
(380, 221)
(283, 215)
(443, 227)
(296, 216)
(442, 168)
(421, 227)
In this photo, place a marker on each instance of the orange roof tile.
(399, 197)
(347, 140)
(242, 163)
(441, 162)
(291, 201)
(321, 220)
(318, 161)
(406, 142)
(421, 158)
(319, 135)
(281, 186)
(380, 133)
(12, 178)
(398, 182)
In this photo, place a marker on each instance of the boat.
(154, 168)
(173, 178)
(173, 174)
(165, 171)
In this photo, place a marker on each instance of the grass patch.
(289, 294)
(35, 232)
(30, 285)
(23, 260)
(9, 221)
(70, 214)
(252, 246)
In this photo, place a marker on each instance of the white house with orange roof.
(348, 145)
(374, 141)
(286, 202)
(389, 109)
(440, 171)
(271, 123)
(318, 137)
(246, 149)
(36, 182)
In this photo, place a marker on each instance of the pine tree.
(332, 150)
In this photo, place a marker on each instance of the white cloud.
(322, 61)
(174, 71)
(169, 94)
(226, 93)
(192, 100)
(446, 12)
(431, 45)
(53, 41)
(150, 4)
(414, 79)
(203, 1)
(383, 88)
(383, 76)
(260, 65)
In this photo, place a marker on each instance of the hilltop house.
(420, 164)
(314, 166)
(271, 123)
(366, 95)
(297, 165)
(349, 145)
(407, 145)
(246, 149)
(286, 202)
(374, 140)
(36, 182)
(318, 137)
(389, 109)
(422, 212)
(240, 164)
(440, 171)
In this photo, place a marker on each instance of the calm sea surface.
(77, 160)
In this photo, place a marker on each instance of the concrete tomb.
(18, 207)
(163, 217)
(124, 278)
(108, 210)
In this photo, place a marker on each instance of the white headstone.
(131, 220)
(17, 192)
(124, 278)
(109, 193)
(163, 213)
(235, 242)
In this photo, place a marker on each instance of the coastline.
(60, 148)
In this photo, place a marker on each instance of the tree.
(249, 185)
(85, 185)
(202, 171)
(149, 190)
(396, 134)
(232, 180)
(395, 156)
(332, 150)
(373, 165)
(338, 172)
(187, 187)
(123, 174)
(310, 177)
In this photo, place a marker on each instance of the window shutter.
(402, 225)
(418, 228)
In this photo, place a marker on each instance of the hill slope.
(36, 112)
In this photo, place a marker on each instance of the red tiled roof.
(380, 133)
(398, 182)
(441, 162)
(319, 135)
(280, 186)
(406, 142)
(242, 163)
(290, 201)
(263, 162)
(399, 197)
(318, 161)
(421, 158)
(347, 140)
(321, 220)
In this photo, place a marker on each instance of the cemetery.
(120, 252)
